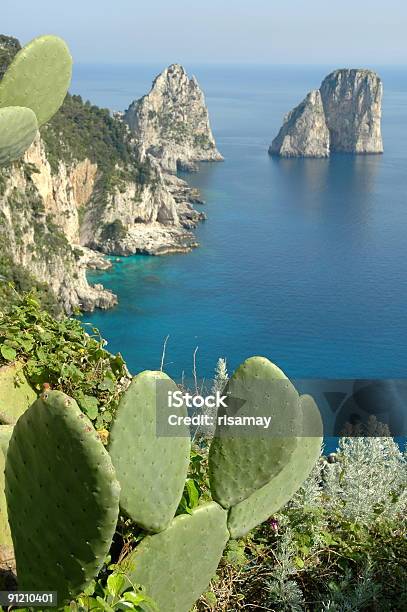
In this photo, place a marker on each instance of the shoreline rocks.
(343, 116)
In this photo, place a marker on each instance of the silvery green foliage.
(283, 591)
(309, 494)
(351, 597)
(220, 379)
(221, 376)
(369, 480)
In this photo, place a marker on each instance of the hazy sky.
(230, 31)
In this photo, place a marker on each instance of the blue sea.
(302, 261)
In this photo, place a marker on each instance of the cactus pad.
(151, 469)
(176, 565)
(18, 127)
(5, 435)
(62, 497)
(243, 460)
(6, 543)
(270, 498)
(16, 395)
(38, 77)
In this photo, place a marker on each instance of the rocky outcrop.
(304, 132)
(171, 122)
(344, 115)
(352, 102)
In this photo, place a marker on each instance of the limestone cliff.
(343, 116)
(304, 132)
(171, 122)
(352, 101)
(34, 243)
(88, 185)
(73, 191)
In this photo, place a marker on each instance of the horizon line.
(232, 63)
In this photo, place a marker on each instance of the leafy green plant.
(196, 487)
(60, 353)
(112, 595)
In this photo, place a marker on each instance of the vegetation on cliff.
(82, 130)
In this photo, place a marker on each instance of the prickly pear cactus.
(151, 469)
(62, 497)
(38, 77)
(176, 565)
(242, 461)
(18, 127)
(271, 497)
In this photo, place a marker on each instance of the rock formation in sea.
(171, 122)
(352, 101)
(304, 132)
(343, 116)
(87, 187)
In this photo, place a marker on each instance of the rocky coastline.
(95, 184)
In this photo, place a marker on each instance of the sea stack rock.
(304, 132)
(344, 115)
(352, 102)
(171, 122)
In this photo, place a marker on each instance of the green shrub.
(59, 352)
(332, 548)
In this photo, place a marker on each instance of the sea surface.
(302, 261)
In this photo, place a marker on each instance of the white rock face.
(171, 122)
(352, 101)
(344, 115)
(39, 228)
(304, 133)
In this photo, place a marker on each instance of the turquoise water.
(303, 261)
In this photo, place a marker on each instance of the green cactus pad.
(18, 127)
(16, 394)
(5, 435)
(243, 460)
(6, 543)
(274, 495)
(176, 565)
(38, 77)
(151, 469)
(62, 497)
